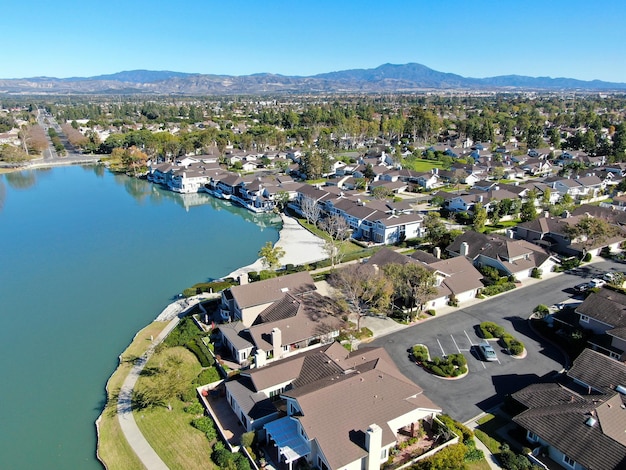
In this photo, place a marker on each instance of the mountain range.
(387, 78)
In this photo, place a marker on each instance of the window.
(532, 437)
(569, 461)
(584, 318)
(383, 453)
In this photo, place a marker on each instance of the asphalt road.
(488, 382)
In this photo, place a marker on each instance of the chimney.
(464, 251)
(277, 343)
(373, 445)
(437, 252)
(260, 358)
(243, 279)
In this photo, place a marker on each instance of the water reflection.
(144, 191)
(21, 179)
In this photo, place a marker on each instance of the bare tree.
(338, 231)
(310, 209)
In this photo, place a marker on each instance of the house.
(245, 301)
(362, 394)
(580, 423)
(604, 314)
(457, 280)
(288, 326)
(509, 256)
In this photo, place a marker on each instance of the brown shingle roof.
(606, 306)
(269, 290)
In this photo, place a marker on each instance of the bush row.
(450, 366)
(201, 351)
(497, 288)
(490, 330)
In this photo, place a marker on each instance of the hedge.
(197, 347)
(498, 288)
(451, 366)
(420, 353)
(513, 345)
(491, 330)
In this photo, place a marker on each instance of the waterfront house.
(245, 301)
(340, 409)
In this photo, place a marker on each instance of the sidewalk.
(489, 457)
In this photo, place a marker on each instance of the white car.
(597, 283)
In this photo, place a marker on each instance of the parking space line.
(456, 345)
(470, 339)
(443, 353)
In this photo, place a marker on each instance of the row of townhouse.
(305, 395)
(587, 186)
(375, 221)
(204, 174)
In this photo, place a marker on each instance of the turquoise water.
(88, 258)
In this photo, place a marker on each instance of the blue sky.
(473, 38)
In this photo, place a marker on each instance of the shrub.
(247, 439)
(208, 376)
(514, 346)
(541, 310)
(491, 330)
(431, 312)
(452, 366)
(536, 273)
(474, 455)
(206, 425)
(194, 409)
(587, 258)
(498, 288)
(419, 353)
(200, 350)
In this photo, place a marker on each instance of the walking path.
(131, 431)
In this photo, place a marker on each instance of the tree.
(281, 199)
(413, 283)
(435, 228)
(364, 287)
(528, 211)
(310, 209)
(593, 231)
(270, 255)
(480, 217)
(381, 192)
(338, 230)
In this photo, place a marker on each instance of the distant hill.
(387, 78)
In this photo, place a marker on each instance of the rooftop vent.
(591, 421)
(621, 389)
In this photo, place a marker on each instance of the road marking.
(470, 339)
(443, 353)
(472, 343)
(457, 346)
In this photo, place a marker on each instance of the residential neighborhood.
(373, 355)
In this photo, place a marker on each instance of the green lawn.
(113, 449)
(422, 165)
(170, 433)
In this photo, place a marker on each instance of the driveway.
(487, 383)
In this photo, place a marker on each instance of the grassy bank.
(113, 449)
(170, 432)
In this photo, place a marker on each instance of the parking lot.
(466, 343)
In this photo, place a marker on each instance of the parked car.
(487, 352)
(581, 287)
(596, 283)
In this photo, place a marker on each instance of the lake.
(88, 258)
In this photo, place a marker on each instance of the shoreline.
(301, 247)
